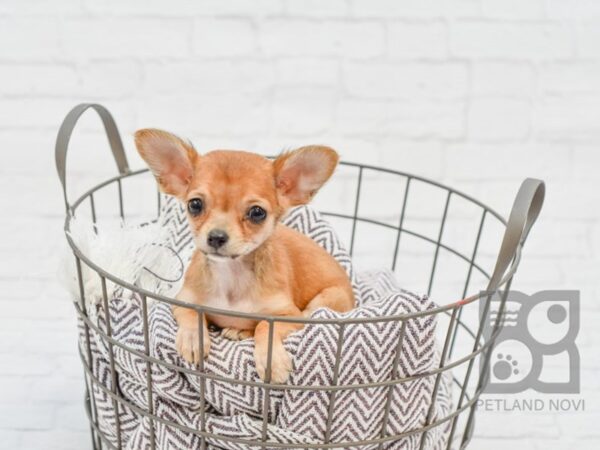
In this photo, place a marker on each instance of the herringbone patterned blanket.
(296, 417)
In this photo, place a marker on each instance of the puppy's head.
(233, 198)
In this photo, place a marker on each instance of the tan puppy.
(245, 260)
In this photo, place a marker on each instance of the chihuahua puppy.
(245, 259)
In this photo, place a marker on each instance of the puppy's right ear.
(170, 159)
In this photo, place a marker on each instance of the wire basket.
(465, 352)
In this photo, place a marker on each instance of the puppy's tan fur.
(265, 267)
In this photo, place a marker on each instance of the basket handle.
(526, 209)
(64, 136)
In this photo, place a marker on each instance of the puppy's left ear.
(169, 157)
(299, 174)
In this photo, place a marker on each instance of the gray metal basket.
(469, 384)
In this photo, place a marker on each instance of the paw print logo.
(505, 367)
(537, 330)
(510, 364)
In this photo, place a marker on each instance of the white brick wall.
(476, 93)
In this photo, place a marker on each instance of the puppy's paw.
(281, 363)
(308, 312)
(187, 343)
(234, 334)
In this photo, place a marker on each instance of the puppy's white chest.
(233, 287)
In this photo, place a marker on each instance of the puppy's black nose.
(217, 238)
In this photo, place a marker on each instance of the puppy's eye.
(195, 206)
(256, 214)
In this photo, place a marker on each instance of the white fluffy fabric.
(122, 250)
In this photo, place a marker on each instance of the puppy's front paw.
(281, 363)
(188, 344)
(234, 334)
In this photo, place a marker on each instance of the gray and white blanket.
(233, 411)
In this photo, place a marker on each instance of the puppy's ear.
(170, 159)
(299, 174)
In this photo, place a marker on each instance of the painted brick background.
(478, 94)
